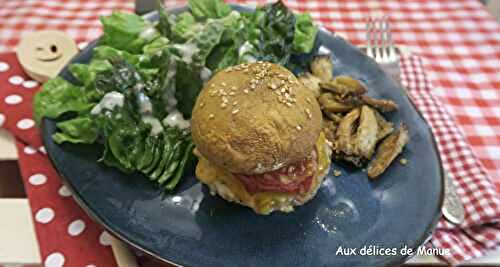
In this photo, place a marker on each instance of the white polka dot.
(105, 239)
(82, 45)
(42, 149)
(25, 124)
(64, 191)
(37, 179)
(44, 215)
(13, 99)
(2, 119)
(76, 227)
(4, 67)
(16, 80)
(55, 259)
(30, 84)
(90, 265)
(29, 150)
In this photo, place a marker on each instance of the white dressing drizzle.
(175, 119)
(148, 33)
(108, 102)
(156, 126)
(243, 52)
(205, 74)
(187, 51)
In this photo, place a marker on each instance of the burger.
(258, 138)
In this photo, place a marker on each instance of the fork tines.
(379, 44)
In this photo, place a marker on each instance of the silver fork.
(379, 45)
(381, 48)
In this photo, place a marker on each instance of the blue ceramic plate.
(192, 228)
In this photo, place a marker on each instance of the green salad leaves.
(134, 98)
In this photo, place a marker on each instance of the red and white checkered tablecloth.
(458, 42)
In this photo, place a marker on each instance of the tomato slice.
(295, 178)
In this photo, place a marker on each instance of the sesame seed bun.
(255, 118)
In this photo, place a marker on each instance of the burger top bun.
(255, 118)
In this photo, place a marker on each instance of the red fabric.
(481, 230)
(459, 45)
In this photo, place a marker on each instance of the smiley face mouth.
(47, 54)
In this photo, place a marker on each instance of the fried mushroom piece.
(333, 116)
(367, 132)
(346, 131)
(328, 103)
(384, 127)
(344, 86)
(310, 82)
(382, 105)
(388, 150)
(329, 128)
(321, 67)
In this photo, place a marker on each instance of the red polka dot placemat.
(66, 235)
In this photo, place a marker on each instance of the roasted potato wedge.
(311, 82)
(322, 67)
(367, 132)
(328, 102)
(388, 150)
(382, 105)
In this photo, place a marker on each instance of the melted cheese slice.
(262, 202)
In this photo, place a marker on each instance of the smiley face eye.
(53, 48)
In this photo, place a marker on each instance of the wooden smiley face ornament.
(43, 54)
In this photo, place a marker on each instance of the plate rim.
(83, 204)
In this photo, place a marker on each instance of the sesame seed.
(211, 116)
(308, 100)
(337, 173)
(223, 105)
(235, 103)
(245, 91)
(403, 161)
(235, 111)
(223, 84)
(252, 86)
(289, 104)
(299, 127)
(202, 104)
(232, 93)
(233, 88)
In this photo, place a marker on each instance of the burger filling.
(277, 190)
(295, 178)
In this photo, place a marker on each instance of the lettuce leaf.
(185, 27)
(277, 26)
(77, 130)
(208, 9)
(305, 33)
(58, 97)
(128, 32)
